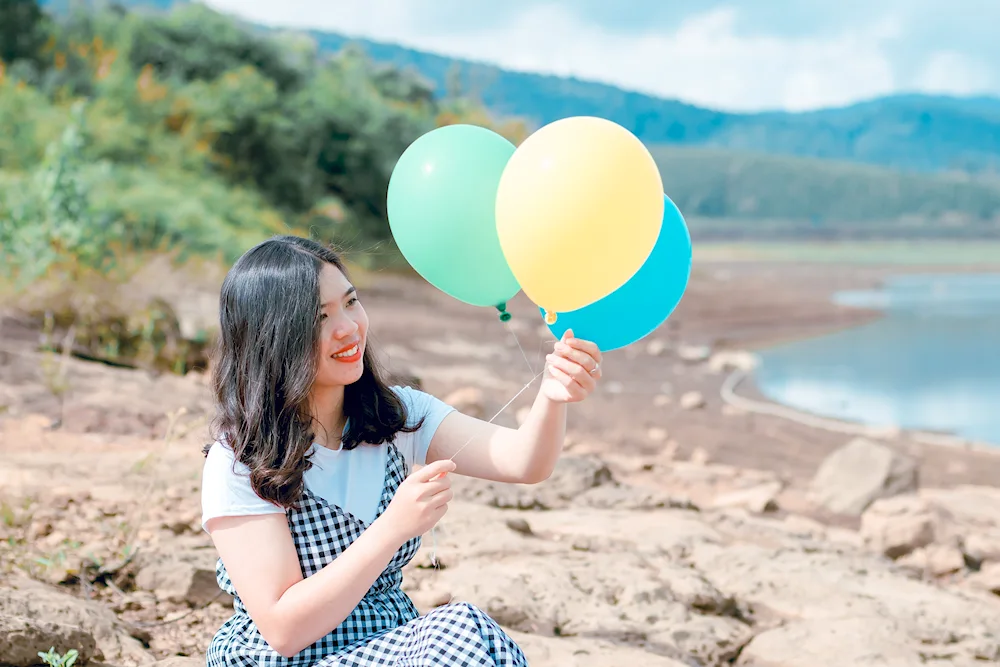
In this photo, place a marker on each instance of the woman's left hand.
(572, 370)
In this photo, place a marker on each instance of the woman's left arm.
(528, 454)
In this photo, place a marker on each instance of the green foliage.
(53, 221)
(185, 136)
(194, 43)
(53, 659)
(196, 136)
(23, 31)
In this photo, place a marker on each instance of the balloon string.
(507, 405)
(435, 563)
(524, 354)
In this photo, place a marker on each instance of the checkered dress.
(385, 628)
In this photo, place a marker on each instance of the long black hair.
(266, 362)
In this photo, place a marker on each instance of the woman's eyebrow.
(350, 290)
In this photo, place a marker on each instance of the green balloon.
(441, 207)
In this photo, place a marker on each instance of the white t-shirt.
(350, 479)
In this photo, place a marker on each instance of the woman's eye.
(353, 300)
(322, 316)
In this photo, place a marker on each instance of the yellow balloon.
(578, 211)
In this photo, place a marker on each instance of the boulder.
(859, 473)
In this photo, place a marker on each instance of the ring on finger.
(596, 369)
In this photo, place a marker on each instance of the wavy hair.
(266, 363)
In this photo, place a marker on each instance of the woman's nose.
(345, 328)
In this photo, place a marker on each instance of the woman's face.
(343, 330)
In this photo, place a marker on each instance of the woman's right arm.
(292, 612)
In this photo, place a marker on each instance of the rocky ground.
(675, 531)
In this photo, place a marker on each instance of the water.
(931, 363)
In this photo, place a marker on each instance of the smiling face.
(343, 330)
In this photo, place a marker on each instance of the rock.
(182, 577)
(656, 533)
(669, 451)
(693, 353)
(833, 642)
(586, 652)
(662, 400)
(758, 499)
(699, 457)
(987, 579)
(656, 347)
(805, 527)
(944, 559)
(21, 640)
(622, 496)
(35, 617)
(468, 400)
(965, 511)
(656, 434)
(981, 548)
(860, 472)
(572, 476)
(519, 526)
(896, 526)
(824, 592)
(595, 593)
(692, 400)
(180, 661)
(732, 360)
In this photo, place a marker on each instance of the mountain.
(909, 132)
(731, 194)
(917, 132)
(63, 6)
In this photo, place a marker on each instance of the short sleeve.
(227, 492)
(420, 405)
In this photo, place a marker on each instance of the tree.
(23, 31)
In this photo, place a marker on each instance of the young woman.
(314, 494)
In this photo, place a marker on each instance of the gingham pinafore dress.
(385, 628)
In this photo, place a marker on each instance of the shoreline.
(760, 403)
(832, 424)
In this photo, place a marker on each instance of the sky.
(738, 56)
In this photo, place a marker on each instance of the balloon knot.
(550, 318)
(504, 315)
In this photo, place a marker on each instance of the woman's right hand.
(420, 501)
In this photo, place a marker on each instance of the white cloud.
(705, 59)
(953, 73)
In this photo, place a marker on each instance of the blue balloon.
(641, 305)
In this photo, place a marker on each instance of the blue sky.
(745, 56)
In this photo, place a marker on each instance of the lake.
(932, 362)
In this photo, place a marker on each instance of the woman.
(313, 493)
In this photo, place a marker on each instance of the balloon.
(441, 207)
(641, 305)
(578, 210)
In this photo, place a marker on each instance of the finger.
(572, 388)
(436, 485)
(442, 498)
(587, 347)
(582, 358)
(439, 513)
(430, 471)
(573, 370)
